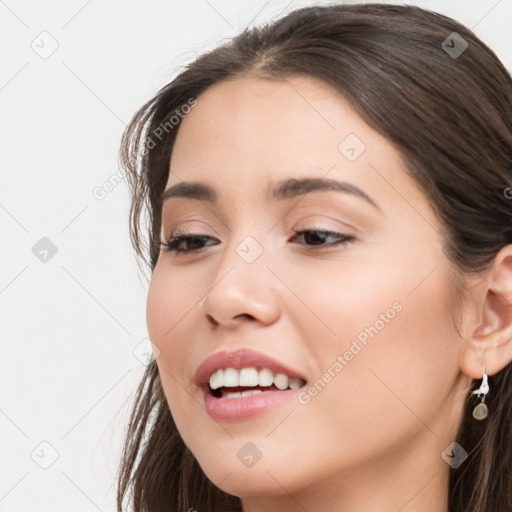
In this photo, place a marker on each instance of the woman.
(329, 208)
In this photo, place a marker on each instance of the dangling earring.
(480, 411)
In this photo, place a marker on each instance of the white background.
(70, 325)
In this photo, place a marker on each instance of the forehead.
(245, 133)
(268, 121)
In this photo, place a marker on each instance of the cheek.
(390, 320)
(160, 310)
(171, 319)
(398, 354)
(170, 304)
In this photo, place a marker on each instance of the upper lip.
(238, 359)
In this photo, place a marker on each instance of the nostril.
(212, 320)
(245, 315)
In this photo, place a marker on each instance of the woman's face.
(368, 322)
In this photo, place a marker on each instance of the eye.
(314, 238)
(173, 244)
(312, 235)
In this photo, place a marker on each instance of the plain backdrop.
(72, 300)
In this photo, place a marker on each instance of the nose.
(240, 291)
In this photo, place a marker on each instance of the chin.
(267, 477)
(249, 483)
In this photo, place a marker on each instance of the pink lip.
(235, 409)
(238, 359)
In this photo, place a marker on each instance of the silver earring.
(480, 411)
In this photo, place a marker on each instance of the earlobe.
(488, 336)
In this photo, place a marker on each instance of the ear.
(487, 319)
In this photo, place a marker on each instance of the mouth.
(232, 383)
(242, 383)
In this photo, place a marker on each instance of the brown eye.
(172, 245)
(317, 238)
(313, 238)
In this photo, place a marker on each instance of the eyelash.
(172, 244)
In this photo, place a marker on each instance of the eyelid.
(325, 223)
(183, 226)
(309, 217)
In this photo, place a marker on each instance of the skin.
(372, 438)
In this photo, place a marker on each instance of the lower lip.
(236, 409)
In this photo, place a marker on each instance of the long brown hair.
(445, 106)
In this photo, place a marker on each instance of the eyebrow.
(284, 189)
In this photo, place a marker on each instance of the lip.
(238, 359)
(236, 409)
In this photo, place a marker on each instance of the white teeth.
(230, 378)
(240, 394)
(249, 392)
(281, 381)
(216, 379)
(295, 383)
(233, 394)
(265, 377)
(246, 377)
